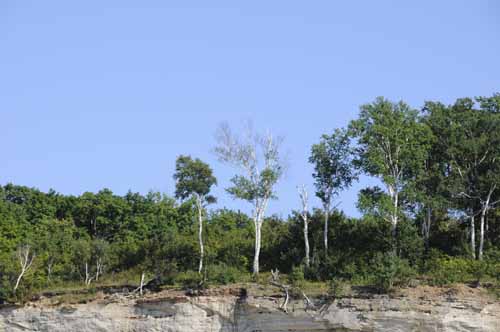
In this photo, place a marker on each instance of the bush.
(337, 288)
(189, 279)
(223, 274)
(296, 277)
(390, 271)
(444, 270)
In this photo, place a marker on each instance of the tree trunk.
(306, 240)
(25, 261)
(304, 199)
(49, 269)
(258, 226)
(473, 237)
(97, 269)
(18, 280)
(200, 233)
(427, 227)
(142, 283)
(481, 235)
(325, 232)
(395, 215)
(484, 210)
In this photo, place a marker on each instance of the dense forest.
(432, 219)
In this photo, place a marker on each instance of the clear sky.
(100, 93)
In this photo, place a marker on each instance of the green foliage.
(296, 277)
(337, 288)
(333, 172)
(189, 279)
(222, 274)
(445, 270)
(390, 270)
(442, 162)
(193, 177)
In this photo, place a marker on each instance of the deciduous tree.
(194, 179)
(260, 159)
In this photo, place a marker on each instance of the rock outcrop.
(230, 313)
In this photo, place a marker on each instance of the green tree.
(194, 179)
(260, 159)
(333, 170)
(472, 139)
(392, 146)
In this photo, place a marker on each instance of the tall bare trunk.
(325, 232)
(26, 258)
(258, 226)
(200, 234)
(473, 236)
(18, 280)
(426, 227)
(306, 242)
(305, 218)
(484, 210)
(141, 286)
(481, 235)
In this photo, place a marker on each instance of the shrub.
(337, 288)
(296, 277)
(223, 274)
(390, 270)
(445, 270)
(189, 279)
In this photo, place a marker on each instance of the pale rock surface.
(256, 314)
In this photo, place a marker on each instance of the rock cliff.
(235, 313)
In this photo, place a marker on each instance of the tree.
(392, 144)
(305, 214)
(194, 178)
(430, 191)
(260, 160)
(473, 148)
(333, 171)
(25, 257)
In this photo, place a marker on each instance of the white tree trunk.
(481, 235)
(25, 261)
(50, 263)
(426, 226)
(98, 269)
(304, 199)
(306, 242)
(394, 216)
(325, 231)
(473, 236)
(88, 277)
(142, 283)
(200, 233)
(258, 227)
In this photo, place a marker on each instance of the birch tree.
(472, 137)
(391, 146)
(303, 195)
(333, 171)
(260, 160)
(25, 256)
(194, 179)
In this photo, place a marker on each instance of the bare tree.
(304, 214)
(260, 160)
(25, 257)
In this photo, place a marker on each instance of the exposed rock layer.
(234, 314)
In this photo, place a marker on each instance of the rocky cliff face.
(256, 313)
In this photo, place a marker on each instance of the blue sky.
(100, 94)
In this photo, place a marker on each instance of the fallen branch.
(286, 288)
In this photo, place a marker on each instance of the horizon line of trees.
(439, 165)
